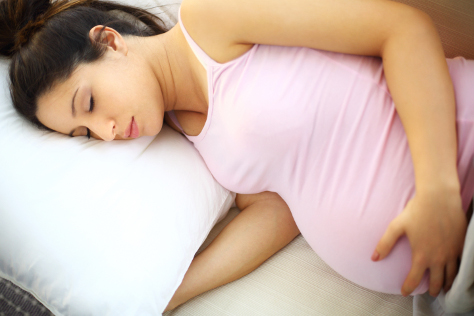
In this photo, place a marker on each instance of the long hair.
(46, 41)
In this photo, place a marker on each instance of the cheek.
(94, 135)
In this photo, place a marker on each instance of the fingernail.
(375, 256)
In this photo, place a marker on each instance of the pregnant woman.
(345, 113)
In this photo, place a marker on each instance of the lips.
(132, 130)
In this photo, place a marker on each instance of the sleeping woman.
(342, 120)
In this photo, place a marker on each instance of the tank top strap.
(200, 54)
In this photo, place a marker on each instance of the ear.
(110, 37)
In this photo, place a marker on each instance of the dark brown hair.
(46, 40)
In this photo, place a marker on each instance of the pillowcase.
(100, 228)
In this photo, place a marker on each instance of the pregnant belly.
(344, 218)
(360, 178)
(363, 180)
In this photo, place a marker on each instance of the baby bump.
(363, 181)
(355, 193)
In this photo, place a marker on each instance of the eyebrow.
(73, 109)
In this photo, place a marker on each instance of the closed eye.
(91, 108)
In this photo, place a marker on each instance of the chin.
(155, 131)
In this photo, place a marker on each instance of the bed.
(295, 281)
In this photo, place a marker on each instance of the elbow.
(422, 22)
(418, 23)
(415, 27)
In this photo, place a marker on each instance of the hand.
(435, 225)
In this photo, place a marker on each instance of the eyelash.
(91, 108)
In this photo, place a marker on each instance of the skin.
(163, 72)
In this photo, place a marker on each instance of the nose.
(105, 130)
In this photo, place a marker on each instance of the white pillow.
(100, 228)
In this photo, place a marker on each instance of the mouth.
(132, 130)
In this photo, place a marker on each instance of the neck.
(169, 58)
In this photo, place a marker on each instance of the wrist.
(437, 174)
(441, 186)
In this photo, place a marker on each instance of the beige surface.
(454, 20)
(295, 281)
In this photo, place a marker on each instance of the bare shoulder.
(207, 26)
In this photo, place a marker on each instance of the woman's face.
(103, 97)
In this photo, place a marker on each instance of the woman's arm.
(421, 87)
(417, 76)
(264, 226)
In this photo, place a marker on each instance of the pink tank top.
(321, 130)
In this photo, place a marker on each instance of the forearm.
(420, 84)
(261, 229)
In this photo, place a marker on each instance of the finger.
(394, 231)
(436, 280)
(413, 279)
(451, 271)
